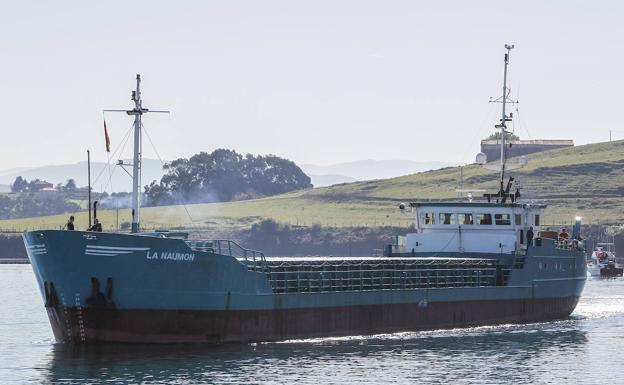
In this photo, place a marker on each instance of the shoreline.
(14, 261)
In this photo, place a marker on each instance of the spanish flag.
(106, 138)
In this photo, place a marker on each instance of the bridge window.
(536, 220)
(503, 219)
(428, 218)
(465, 218)
(518, 219)
(446, 219)
(484, 219)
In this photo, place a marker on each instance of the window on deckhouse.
(446, 219)
(484, 219)
(502, 219)
(465, 218)
(428, 218)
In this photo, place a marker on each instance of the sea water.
(586, 348)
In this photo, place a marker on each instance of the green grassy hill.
(585, 180)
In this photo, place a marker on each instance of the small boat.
(603, 262)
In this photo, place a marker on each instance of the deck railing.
(253, 259)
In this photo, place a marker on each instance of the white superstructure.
(471, 228)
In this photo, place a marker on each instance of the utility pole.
(461, 180)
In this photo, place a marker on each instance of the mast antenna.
(504, 99)
(137, 112)
(504, 191)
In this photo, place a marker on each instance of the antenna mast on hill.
(137, 112)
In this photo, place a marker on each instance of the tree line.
(21, 185)
(34, 205)
(224, 175)
(508, 136)
(219, 176)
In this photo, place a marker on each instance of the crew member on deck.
(97, 226)
(70, 223)
(529, 237)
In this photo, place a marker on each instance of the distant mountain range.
(120, 180)
(366, 170)
(321, 176)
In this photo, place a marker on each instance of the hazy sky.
(316, 81)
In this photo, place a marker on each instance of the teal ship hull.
(112, 287)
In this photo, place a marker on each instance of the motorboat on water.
(603, 262)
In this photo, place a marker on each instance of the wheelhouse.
(470, 215)
(471, 227)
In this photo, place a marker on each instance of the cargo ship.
(468, 263)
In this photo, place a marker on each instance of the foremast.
(137, 112)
